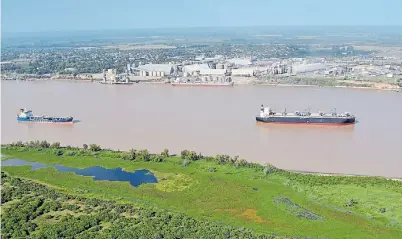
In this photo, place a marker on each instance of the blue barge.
(27, 116)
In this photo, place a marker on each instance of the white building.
(155, 69)
(212, 71)
(301, 68)
(243, 72)
(240, 61)
(195, 67)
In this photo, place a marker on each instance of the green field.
(262, 199)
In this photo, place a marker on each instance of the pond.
(135, 178)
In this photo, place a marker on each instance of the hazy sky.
(49, 15)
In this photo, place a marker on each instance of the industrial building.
(195, 67)
(302, 68)
(240, 61)
(156, 69)
(243, 72)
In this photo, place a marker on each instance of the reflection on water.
(305, 127)
(135, 178)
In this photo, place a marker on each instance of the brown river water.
(215, 121)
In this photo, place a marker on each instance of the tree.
(132, 154)
(184, 153)
(94, 147)
(165, 153)
(56, 145)
(85, 146)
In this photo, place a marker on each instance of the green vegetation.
(222, 192)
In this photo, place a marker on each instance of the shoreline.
(247, 162)
(152, 81)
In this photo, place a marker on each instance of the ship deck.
(313, 115)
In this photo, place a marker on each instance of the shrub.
(234, 159)
(94, 147)
(269, 169)
(186, 163)
(190, 155)
(44, 144)
(69, 147)
(382, 210)
(156, 158)
(19, 144)
(222, 158)
(351, 203)
(212, 169)
(143, 155)
(70, 153)
(58, 152)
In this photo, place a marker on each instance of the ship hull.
(68, 120)
(203, 84)
(307, 120)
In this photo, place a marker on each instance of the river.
(215, 121)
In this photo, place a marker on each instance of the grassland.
(273, 202)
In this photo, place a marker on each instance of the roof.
(212, 71)
(243, 71)
(156, 67)
(308, 67)
(195, 67)
(239, 61)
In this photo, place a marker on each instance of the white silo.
(162, 73)
(158, 73)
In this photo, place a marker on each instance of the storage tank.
(162, 73)
(158, 73)
(186, 74)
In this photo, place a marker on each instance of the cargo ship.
(267, 115)
(198, 82)
(27, 116)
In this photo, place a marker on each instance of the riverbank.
(229, 190)
(250, 82)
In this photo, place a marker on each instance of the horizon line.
(195, 27)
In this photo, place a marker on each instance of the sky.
(66, 15)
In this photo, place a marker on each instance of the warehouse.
(156, 69)
(243, 72)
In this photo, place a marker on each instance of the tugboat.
(27, 116)
(267, 115)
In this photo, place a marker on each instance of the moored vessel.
(267, 115)
(199, 82)
(27, 116)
